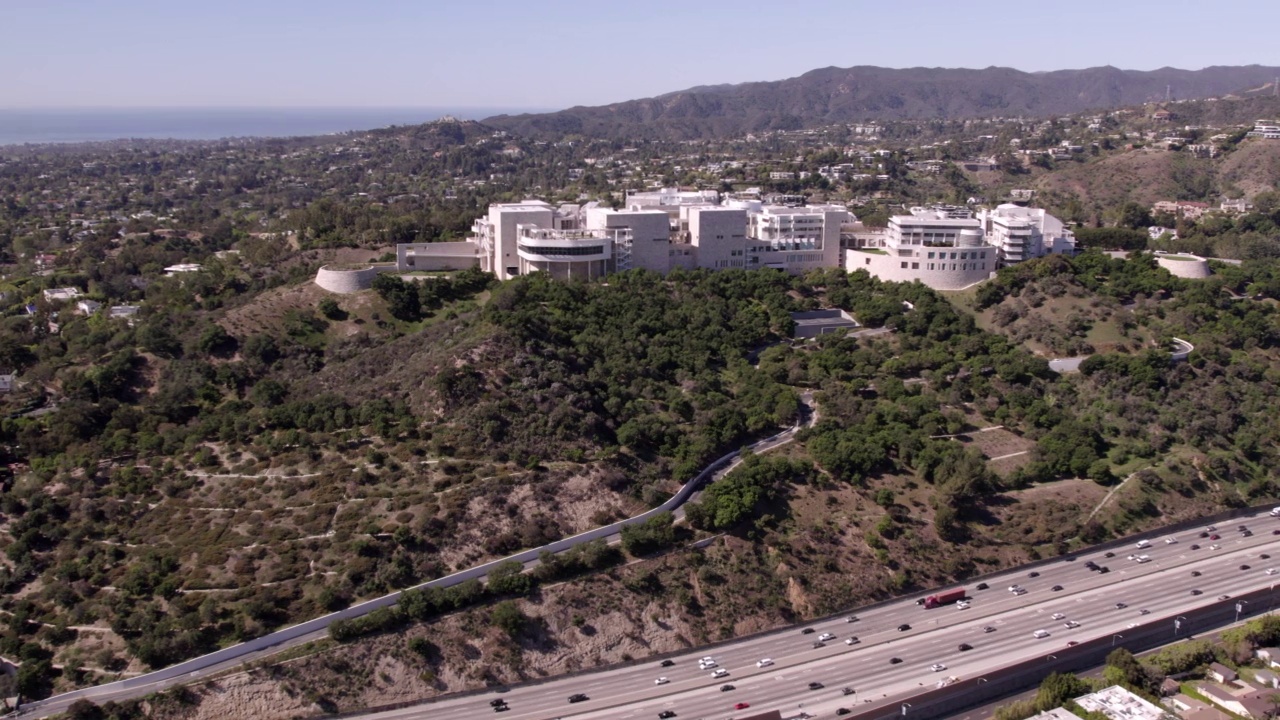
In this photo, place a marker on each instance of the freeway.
(1103, 605)
(315, 629)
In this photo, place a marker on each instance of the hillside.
(838, 95)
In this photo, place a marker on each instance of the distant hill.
(837, 95)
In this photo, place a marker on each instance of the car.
(661, 681)
(1071, 624)
(500, 708)
(1121, 606)
(1195, 547)
(1033, 574)
(667, 714)
(1195, 573)
(847, 691)
(1020, 591)
(851, 619)
(1144, 611)
(1015, 588)
(1242, 528)
(904, 627)
(1215, 547)
(1224, 597)
(815, 686)
(1204, 534)
(843, 711)
(1104, 569)
(964, 647)
(1271, 571)
(1244, 567)
(719, 673)
(1132, 557)
(1215, 536)
(1070, 558)
(1246, 533)
(826, 636)
(851, 640)
(988, 629)
(1170, 541)
(1056, 588)
(496, 703)
(1072, 643)
(1040, 634)
(1109, 555)
(668, 663)
(707, 664)
(981, 586)
(741, 706)
(1211, 528)
(1196, 592)
(819, 645)
(579, 697)
(1276, 531)
(1058, 616)
(962, 605)
(920, 601)
(937, 667)
(1091, 564)
(895, 660)
(807, 631)
(1132, 625)
(764, 662)
(1264, 556)
(726, 688)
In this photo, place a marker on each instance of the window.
(930, 266)
(904, 265)
(930, 256)
(868, 262)
(915, 266)
(953, 257)
(964, 256)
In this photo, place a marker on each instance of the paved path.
(318, 628)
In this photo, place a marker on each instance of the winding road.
(318, 628)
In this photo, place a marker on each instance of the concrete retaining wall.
(345, 281)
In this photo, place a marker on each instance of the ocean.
(19, 127)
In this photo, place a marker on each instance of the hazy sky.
(558, 53)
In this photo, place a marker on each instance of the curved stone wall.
(1185, 266)
(350, 280)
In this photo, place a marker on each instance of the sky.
(559, 53)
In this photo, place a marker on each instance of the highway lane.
(317, 628)
(1161, 586)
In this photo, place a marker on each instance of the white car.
(1215, 547)
(1171, 541)
(825, 637)
(706, 664)
(1271, 571)
(719, 673)
(1040, 634)
(1143, 544)
(1144, 559)
(1058, 616)
(766, 662)
(1020, 591)
(1014, 588)
(962, 605)
(937, 667)
(661, 681)
(1071, 624)
(852, 640)
(1132, 625)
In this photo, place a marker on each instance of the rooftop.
(1119, 704)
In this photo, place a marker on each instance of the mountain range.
(841, 95)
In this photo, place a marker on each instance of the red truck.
(944, 598)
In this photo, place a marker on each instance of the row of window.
(963, 256)
(575, 251)
(943, 266)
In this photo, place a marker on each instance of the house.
(1266, 678)
(1269, 655)
(88, 307)
(181, 268)
(7, 383)
(1237, 206)
(1170, 687)
(1055, 714)
(1163, 115)
(1155, 231)
(60, 294)
(1118, 703)
(1221, 673)
(1248, 703)
(127, 312)
(1189, 708)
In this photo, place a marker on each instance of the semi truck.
(944, 598)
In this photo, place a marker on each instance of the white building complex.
(948, 248)
(659, 231)
(665, 230)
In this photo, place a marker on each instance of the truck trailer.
(944, 598)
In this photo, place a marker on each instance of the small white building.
(88, 307)
(181, 268)
(62, 294)
(1119, 704)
